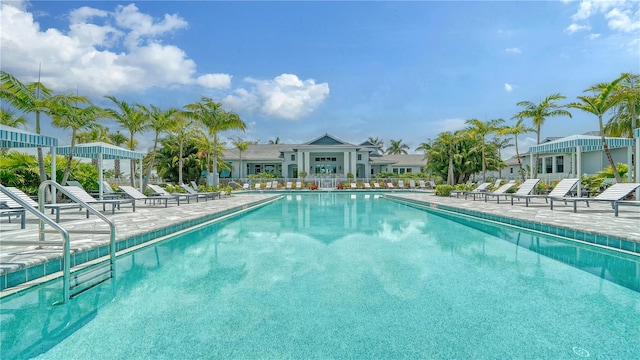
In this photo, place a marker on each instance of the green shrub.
(443, 190)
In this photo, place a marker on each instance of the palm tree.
(379, 143)
(215, 119)
(606, 98)
(397, 147)
(117, 139)
(479, 130)
(626, 113)
(9, 118)
(30, 98)
(159, 121)
(540, 112)
(95, 133)
(275, 141)
(131, 119)
(66, 114)
(500, 144)
(518, 129)
(182, 129)
(242, 146)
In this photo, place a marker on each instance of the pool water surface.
(339, 275)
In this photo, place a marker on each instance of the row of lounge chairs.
(614, 195)
(129, 195)
(289, 185)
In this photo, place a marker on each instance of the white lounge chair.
(55, 208)
(367, 185)
(204, 195)
(137, 195)
(412, 184)
(288, 185)
(160, 191)
(501, 191)
(401, 184)
(526, 188)
(613, 194)
(257, 186)
(9, 208)
(267, 186)
(81, 194)
(274, 185)
(353, 185)
(376, 185)
(480, 189)
(390, 185)
(421, 184)
(298, 185)
(561, 190)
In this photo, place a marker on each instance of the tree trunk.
(616, 174)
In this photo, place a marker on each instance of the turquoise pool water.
(343, 276)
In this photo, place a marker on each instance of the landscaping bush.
(443, 190)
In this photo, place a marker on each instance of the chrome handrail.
(66, 248)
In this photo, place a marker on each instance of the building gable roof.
(327, 139)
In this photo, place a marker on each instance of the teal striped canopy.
(95, 149)
(586, 142)
(11, 137)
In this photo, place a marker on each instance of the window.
(539, 165)
(359, 157)
(395, 171)
(548, 165)
(559, 164)
(511, 170)
(293, 157)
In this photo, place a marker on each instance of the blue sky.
(297, 70)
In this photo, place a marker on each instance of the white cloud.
(88, 55)
(622, 15)
(593, 36)
(215, 81)
(575, 28)
(284, 97)
(513, 50)
(508, 87)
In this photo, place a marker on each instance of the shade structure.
(578, 144)
(11, 137)
(102, 151)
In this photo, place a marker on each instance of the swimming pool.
(338, 275)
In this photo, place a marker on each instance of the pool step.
(88, 277)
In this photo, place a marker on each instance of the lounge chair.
(432, 185)
(526, 188)
(137, 195)
(108, 192)
(421, 184)
(412, 184)
(389, 185)
(55, 208)
(617, 204)
(245, 186)
(274, 185)
(9, 208)
(298, 185)
(401, 184)
(376, 185)
(561, 190)
(613, 194)
(353, 185)
(480, 189)
(288, 185)
(501, 191)
(81, 194)
(203, 195)
(194, 186)
(267, 185)
(367, 185)
(160, 191)
(257, 186)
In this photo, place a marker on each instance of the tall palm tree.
(9, 118)
(159, 121)
(117, 139)
(518, 129)
(625, 118)
(500, 144)
(397, 147)
(182, 128)
(215, 119)
(67, 114)
(34, 97)
(131, 119)
(605, 99)
(540, 112)
(242, 146)
(480, 129)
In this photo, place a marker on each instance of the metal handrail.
(66, 248)
(90, 209)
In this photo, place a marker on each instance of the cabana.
(576, 145)
(11, 137)
(102, 151)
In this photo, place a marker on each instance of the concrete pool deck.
(20, 264)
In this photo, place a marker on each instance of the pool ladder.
(85, 276)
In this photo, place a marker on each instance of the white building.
(325, 156)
